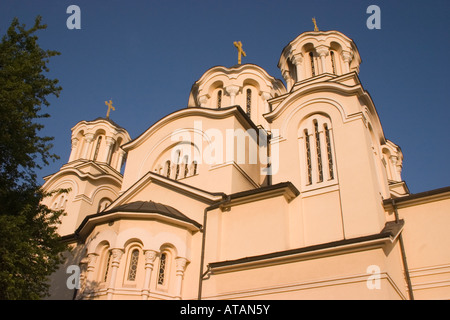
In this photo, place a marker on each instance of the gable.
(153, 187)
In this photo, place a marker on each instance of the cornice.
(237, 70)
(283, 189)
(69, 169)
(418, 198)
(388, 235)
(307, 87)
(191, 112)
(173, 185)
(89, 223)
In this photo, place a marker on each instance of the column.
(116, 256)
(266, 96)
(150, 256)
(89, 137)
(287, 78)
(120, 160)
(88, 281)
(322, 51)
(396, 168)
(180, 267)
(73, 152)
(347, 57)
(109, 141)
(297, 60)
(203, 100)
(232, 91)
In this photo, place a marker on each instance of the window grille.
(318, 151)
(329, 153)
(133, 265)
(108, 262)
(168, 168)
(219, 99)
(313, 69)
(308, 157)
(333, 62)
(162, 269)
(97, 148)
(249, 101)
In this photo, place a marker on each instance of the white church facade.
(258, 189)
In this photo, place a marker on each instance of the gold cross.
(110, 106)
(238, 45)
(315, 24)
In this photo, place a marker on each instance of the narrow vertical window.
(186, 167)
(313, 70)
(97, 148)
(249, 101)
(162, 268)
(219, 99)
(133, 265)
(333, 62)
(318, 151)
(195, 168)
(168, 168)
(329, 153)
(308, 157)
(108, 262)
(177, 171)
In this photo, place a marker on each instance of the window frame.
(317, 169)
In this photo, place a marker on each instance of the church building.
(257, 189)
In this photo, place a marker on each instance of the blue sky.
(145, 56)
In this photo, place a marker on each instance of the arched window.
(219, 99)
(318, 151)
(168, 168)
(97, 148)
(308, 157)
(162, 269)
(60, 202)
(103, 204)
(194, 171)
(106, 264)
(329, 152)
(317, 157)
(333, 62)
(186, 166)
(177, 170)
(313, 69)
(132, 269)
(249, 101)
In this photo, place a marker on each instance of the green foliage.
(30, 248)
(23, 92)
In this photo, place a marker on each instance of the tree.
(30, 248)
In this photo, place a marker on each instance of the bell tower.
(315, 53)
(92, 173)
(99, 141)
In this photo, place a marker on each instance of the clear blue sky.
(145, 56)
